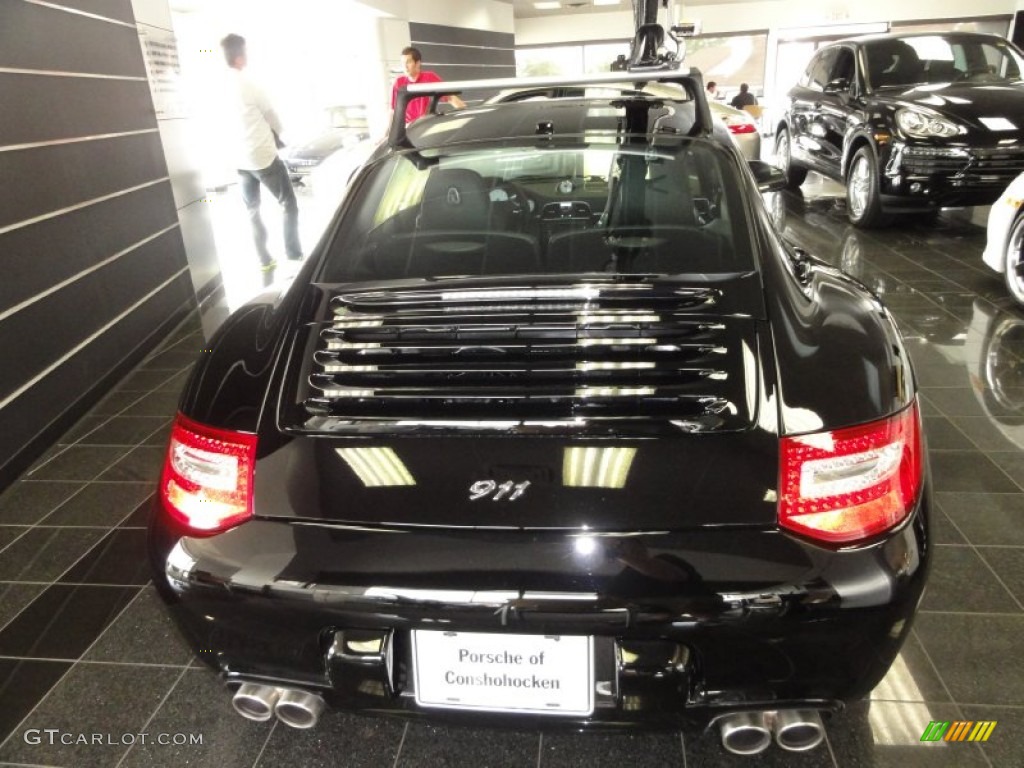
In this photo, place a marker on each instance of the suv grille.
(544, 354)
(1000, 165)
(971, 166)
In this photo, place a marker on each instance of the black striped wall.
(94, 266)
(457, 53)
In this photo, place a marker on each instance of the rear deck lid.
(612, 404)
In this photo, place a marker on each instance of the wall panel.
(472, 72)
(118, 10)
(436, 33)
(60, 108)
(44, 331)
(458, 53)
(90, 242)
(434, 53)
(41, 37)
(52, 251)
(42, 180)
(95, 368)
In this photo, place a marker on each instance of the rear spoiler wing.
(692, 82)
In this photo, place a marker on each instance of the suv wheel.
(863, 200)
(795, 174)
(1014, 271)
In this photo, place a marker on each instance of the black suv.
(909, 123)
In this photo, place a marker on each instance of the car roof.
(552, 120)
(683, 112)
(655, 89)
(883, 36)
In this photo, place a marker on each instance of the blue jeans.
(275, 178)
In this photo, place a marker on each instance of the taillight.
(207, 477)
(738, 124)
(851, 484)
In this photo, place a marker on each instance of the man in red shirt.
(417, 108)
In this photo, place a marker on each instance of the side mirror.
(768, 177)
(839, 85)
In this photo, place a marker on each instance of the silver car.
(742, 127)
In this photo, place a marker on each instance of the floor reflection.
(928, 271)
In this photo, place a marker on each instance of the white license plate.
(548, 674)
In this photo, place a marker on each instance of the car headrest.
(894, 62)
(454, 199)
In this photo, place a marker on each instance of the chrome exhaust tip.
(299, 709)
(745, 733)
(255, 702)
(797, 730)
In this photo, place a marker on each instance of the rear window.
(572, 208)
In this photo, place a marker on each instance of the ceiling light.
(606, 2)
(547, 6)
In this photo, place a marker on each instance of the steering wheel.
(519, 205)
(970, 74)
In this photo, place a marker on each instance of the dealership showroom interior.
(512, 383)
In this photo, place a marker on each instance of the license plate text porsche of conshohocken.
(505, 673)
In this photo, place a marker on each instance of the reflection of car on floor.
(910, 123)
(1004, 249)
(822, 236)
(552, 429)
(992, 352)
(348, 128)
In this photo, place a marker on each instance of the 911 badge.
(507, 491)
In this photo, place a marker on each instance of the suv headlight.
(922, 125)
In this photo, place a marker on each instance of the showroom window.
(730, 60)
(993, 25)
(727, 59)
(569, 59)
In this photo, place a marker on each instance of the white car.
(1003, 251)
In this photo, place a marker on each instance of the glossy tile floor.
(88, 657)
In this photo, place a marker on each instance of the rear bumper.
(676, 638)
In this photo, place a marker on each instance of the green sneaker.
(269, 266)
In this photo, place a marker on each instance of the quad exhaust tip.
(797, 730)
(742, 733)
(750, 733)
(745, 733)
(296, 708)
(255, 702)
(299, 709)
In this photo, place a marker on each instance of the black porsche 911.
(552, 429)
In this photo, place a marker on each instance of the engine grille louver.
(544, 354)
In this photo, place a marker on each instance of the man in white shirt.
(257, 129)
